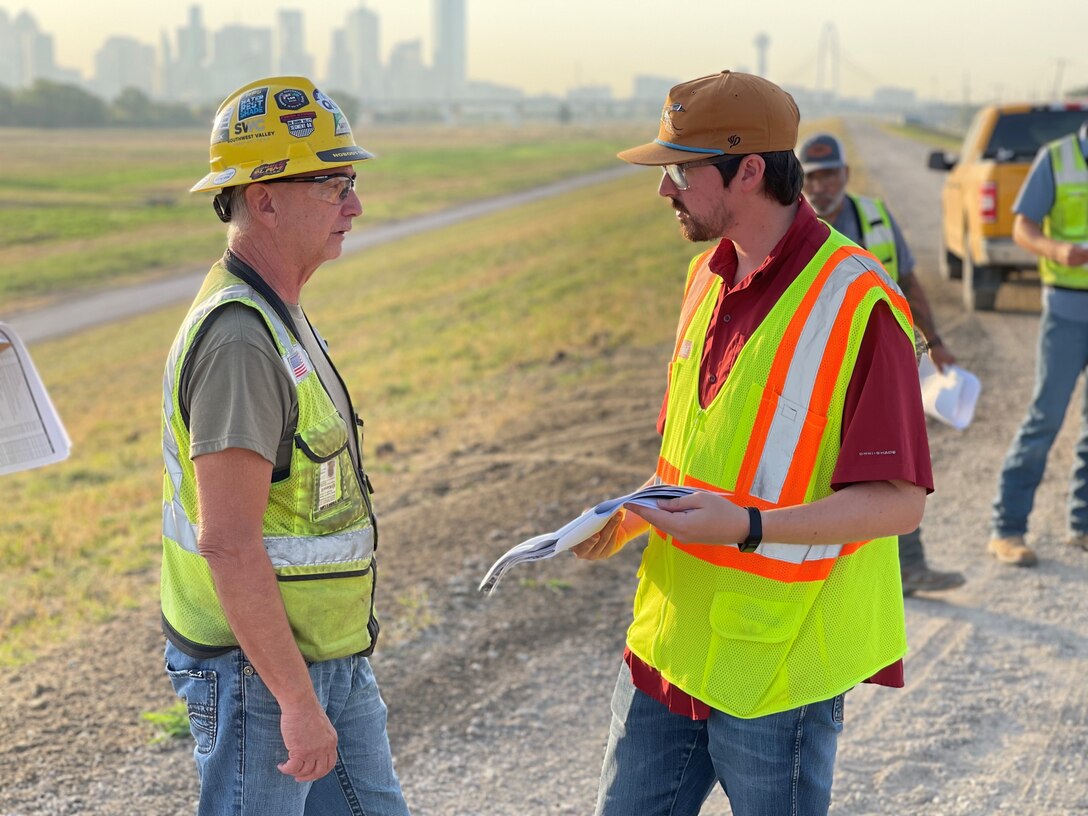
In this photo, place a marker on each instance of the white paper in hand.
(576, 531)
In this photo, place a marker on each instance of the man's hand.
(941, 357)
(605, 543)
(311, 743)
(1072, 255)
(702, 518)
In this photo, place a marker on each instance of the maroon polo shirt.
(883, 427)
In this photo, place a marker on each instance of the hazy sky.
(941, 48)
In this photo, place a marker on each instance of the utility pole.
(1059, 67)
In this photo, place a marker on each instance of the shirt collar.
(723, 262)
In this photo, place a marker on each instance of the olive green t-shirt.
(239, 394)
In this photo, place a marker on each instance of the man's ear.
(751, 172)
(261, 204)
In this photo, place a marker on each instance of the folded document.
(576, 531)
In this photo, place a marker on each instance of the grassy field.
(445, 333)
(428, 334)
(80, 209)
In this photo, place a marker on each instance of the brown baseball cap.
(717, 115)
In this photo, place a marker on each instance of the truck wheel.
(980, 285)
(949, 266)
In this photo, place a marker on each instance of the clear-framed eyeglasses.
(333, 189)
(677, 172)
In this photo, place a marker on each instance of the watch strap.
(755, 531)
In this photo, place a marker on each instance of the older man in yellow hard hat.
(268, 531)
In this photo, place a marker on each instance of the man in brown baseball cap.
(793, 408)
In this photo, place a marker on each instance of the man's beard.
(698, 231)
(829, 207)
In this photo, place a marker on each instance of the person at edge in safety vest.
(793, 400)
(1052, 222)
(868, 223)
(269, 536)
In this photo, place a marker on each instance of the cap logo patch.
(666, 117)
(819, 150)
(734, 140)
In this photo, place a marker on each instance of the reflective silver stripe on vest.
(1070, 167)
(789, 417)
(874, 230)
(798, 554)
(176, 525)
(335, 548)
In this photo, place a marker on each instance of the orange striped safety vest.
(758, 633)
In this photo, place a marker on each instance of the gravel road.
(500, 705)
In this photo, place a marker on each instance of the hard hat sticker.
(325, 102)
(342, 126)
(221, 128)
(252, 103)
(272, 169)
(224, 177)
(291, 99)
(299, 125)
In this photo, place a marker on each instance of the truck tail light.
(987, 203)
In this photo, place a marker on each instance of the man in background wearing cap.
(793, 402)
(869, 223)
(1052, 222)
(268, 533)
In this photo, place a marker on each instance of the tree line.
(48, 104)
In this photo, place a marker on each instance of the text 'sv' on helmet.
(279, 126)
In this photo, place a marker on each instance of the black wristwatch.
(755, 531)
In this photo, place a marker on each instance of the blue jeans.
(911, 552)
(1062, 356)
(235, 721)
(662, 764)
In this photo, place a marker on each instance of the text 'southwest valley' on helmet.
(279, 126)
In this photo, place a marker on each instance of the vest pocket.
(741, 617)
(1073, 215)
(331, 615)
(750, 641)
(329, 489)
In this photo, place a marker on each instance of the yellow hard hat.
(279, 126)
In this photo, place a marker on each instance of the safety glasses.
(330, 189)
(678, 176)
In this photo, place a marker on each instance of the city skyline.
(955, 50)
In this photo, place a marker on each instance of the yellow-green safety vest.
(1068, 218)
(877, 234)
(319, 530)
(757, 633)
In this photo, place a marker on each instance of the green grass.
(452, 331)
(936, 138)
(169, 723)
(84, 209)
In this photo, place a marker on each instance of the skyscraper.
(449, 48)
(361, 46)
(291, 56)
(123, 62)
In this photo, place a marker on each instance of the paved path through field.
(70, 316)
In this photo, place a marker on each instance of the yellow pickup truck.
(977, 199)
